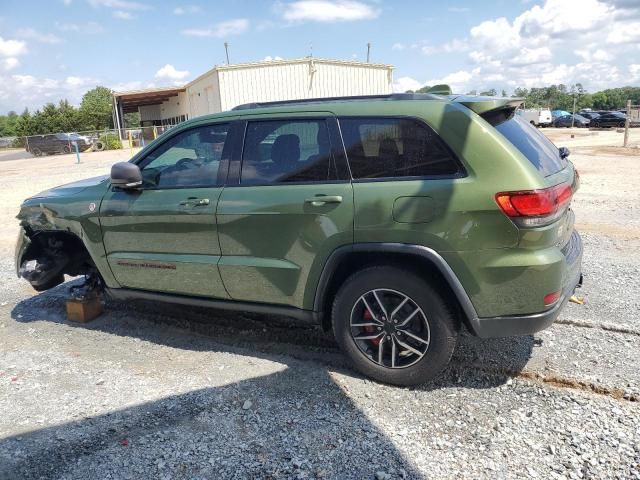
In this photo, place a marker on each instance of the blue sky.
(60, 48)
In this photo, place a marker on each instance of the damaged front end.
(44, 257)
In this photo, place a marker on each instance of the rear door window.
(395, 148)
(538, 149)
(287, 151)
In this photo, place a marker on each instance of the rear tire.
(407, 354)
(66, 149)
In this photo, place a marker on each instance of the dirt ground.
(151, 391)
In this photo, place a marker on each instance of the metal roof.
(132, 99)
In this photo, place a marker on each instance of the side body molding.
(397, 248)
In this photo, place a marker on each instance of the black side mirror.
(126, 175)
(564, 152)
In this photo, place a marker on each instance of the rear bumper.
(505, 326)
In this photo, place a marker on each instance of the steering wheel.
(185, 164)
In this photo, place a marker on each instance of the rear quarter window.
(379, 147)
(537, 148)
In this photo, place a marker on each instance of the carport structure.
(148, 102)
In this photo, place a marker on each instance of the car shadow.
(215, 436)
(487, 363)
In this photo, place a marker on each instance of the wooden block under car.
(85, 309)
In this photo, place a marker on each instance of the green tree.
(489, 93)
(95, 109)
(132, 120)
(423, 89)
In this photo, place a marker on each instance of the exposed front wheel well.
(51, 255)
(355, 261)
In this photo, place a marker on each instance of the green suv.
(393, 220)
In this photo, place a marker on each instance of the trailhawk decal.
(161, 266)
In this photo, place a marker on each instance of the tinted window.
(287, 151)
(394, 147)
(190, 159)
(538, 149)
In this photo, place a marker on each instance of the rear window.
(538, 149)
(379, 147)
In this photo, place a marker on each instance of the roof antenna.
(226, 51)
(368, 51)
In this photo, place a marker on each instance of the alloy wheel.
(389, 328)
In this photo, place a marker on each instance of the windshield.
(538, 149)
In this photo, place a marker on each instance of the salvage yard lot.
(169, 392)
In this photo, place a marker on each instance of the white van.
(539, 117)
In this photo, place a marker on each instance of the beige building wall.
(227, 86)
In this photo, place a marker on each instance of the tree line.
(94, 113)
(561, 97)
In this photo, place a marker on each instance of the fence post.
(626, 124)
(155, 132)
(75, 144)
(130, 143)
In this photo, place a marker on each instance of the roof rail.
(388, 97)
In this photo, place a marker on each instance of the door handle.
(194, 202)
(320, 200)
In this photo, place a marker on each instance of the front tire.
(394, 326)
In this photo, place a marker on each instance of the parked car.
(380, 218)
(571, 121)
(609, 119)
(590, 115)
(55, 143)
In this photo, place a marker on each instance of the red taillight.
(535, 207)
(551, 298)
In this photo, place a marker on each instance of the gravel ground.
(149, 391)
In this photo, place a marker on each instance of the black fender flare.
(427, 253)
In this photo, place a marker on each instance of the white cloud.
(593, 54)
(119, 4)
(66, 3)
(403, 84)
(122, 15)
(531, 56)
(32, 34)
(626, 33)
(169, 72)
(328, 11)
(220, 30)
(19, 91)
(90, 28)
(9, 63)
(269, 58)
(398, 46)
(558, 41)
(186, 9)
(12, 48)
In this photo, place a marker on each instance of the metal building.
(226, 86)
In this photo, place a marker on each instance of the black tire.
(621, 125)
(442, 325)
(66, 149)
(36, 152)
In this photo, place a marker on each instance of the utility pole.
(368, 51)
(226, 51)
(626, 124)
(573, 114)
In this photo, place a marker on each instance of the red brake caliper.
(370, 329)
